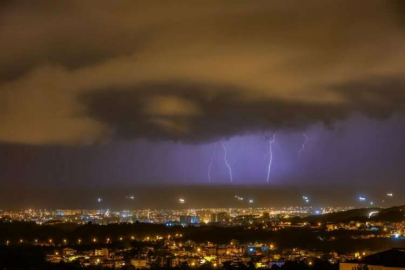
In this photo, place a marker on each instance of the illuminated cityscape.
(107, 238)
(225, 216)
(202, 135)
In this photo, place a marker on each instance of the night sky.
(98, 96)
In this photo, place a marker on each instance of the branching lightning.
(303, 145)
(212, 160)
(226, 162)
(271, 156)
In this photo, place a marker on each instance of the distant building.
(219, 217)
(140, 264)
(68, 252)
(189, 220)
(53, 258)
(101, 252)
(278, 263)
(119, 264)
(393, 259)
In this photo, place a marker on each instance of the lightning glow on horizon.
(212, 160)
(226, 162)
(271, 156)
(303, 145)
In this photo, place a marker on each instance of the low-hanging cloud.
(82, 72)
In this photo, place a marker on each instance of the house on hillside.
(393, 259)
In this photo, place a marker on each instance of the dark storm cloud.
(226, 114)
(219, 115)
(377, 97)
(83, 71)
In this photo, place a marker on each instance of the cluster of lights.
(363, 199)
(95, 240)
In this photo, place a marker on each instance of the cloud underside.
(194, 72)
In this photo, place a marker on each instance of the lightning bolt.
(279, 147)
(212, 160)
(303, 145)
(226, 162)
(271, 156)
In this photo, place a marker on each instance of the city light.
(254, 135)
(252, 218)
